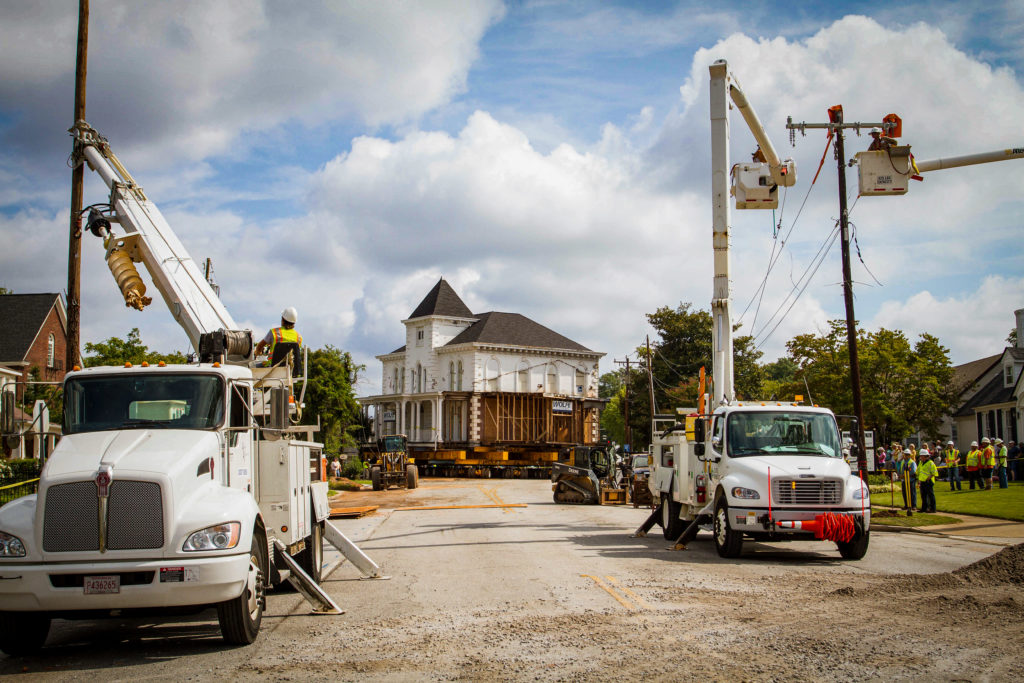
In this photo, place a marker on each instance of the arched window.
(451, 376)
(523, 378)
(460, 375)
(417, 382)
(580, 383)
(493, 370)
(552, 382)
(403, 380)
(394, 387)
(49, 351)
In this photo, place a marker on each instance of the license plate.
(102, 584)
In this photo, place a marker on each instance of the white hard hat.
(906, 451)
(949, 443)
(974, 443)
(290, 315)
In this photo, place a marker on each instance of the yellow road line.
(493, 495)
(601, 584)
(636, 598)
(461, 507)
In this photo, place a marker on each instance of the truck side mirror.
(699, 431)
(698, 449)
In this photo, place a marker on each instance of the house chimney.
(1019, 314)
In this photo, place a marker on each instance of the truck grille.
(135, 517)
(806, 492)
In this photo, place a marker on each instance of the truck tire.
(240, 617)
(856, 548)
(311, 558)
(375, 478)
(412, 477)
(728, 543)
(671, 525)
(23, 633)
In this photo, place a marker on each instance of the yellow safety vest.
(927, 471)
(1002, 456)
(951, 456)
(972, 458)
(281, 334)
(988, 457)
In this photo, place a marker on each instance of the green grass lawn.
(891, 517)
(999, 503)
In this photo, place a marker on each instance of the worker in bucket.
(285, 334)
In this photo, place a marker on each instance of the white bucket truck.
(173, 487)
(768, 472)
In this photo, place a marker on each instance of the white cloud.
(973, 325)
(186, 80)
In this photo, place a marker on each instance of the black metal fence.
(22, 488)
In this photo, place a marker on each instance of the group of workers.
(921, 469)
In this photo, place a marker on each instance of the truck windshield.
(94, 404)
(782, 433)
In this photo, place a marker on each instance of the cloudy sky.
(546, 158)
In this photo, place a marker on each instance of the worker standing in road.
(927, 473)
(952, 457)
(285, 333)
(988, 461)
(1001, 464)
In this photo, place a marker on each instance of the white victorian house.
(467, 379)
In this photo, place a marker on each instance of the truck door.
(718, 446)
(240, 437)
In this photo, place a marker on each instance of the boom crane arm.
(149, 239)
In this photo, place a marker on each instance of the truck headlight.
(858, 494)
(220, 537)
(740, 492)
(11, 546)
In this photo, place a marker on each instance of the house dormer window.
(1007, 375)
(419, 337)
(49, 351)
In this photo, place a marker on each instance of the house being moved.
(491, 392)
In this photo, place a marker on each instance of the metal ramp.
(352, 553)
(314, 594)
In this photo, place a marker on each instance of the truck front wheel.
(857, 547)
(22, 633)
(375, 478)
(240, 617)
(728, 543)
(412, 477)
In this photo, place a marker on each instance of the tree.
(329, 395)
(904, 389)
(4, 290)
(116, 351)
(53, 394)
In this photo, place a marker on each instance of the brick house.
(496, 382)
(33, 335)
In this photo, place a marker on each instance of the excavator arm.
(146, 237)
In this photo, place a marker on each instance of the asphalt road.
(537, 592)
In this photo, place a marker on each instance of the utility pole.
(835, 127)
(650, 380)
(74, 289)
(629, 435)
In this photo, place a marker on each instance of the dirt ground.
(561, 593)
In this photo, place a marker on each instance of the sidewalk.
(982, 527)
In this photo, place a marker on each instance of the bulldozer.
(581, 473)
(388, 460)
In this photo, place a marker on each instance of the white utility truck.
(173, 487)
(769, 472)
